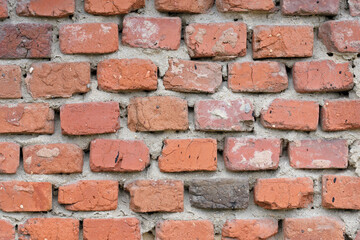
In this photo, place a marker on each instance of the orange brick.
(310, 7)
(112, 7)
(245, 6)
(7, 230)
(184, 6)
(177, 230)
(249, 229)
(3, 9)
(10, 81)
(45, 8)
(9, 157)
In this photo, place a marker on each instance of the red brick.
(272, 41)
(146, 32)
(156, 196)
(90, 118)
(341, 192)
(7, 230)
(27, 118)
(112, 7)
(107, 155)
(187, 6)
(10, 81)
(291, 115)
(45, 8)
(116, 75)
(220, 40)
(193, 76)
(250, 154)
(9, 157)
(339, 115)
(51, 80)
(310, 7)
(357, 235)
(25, 40)
(249, 229)
(53, 158)
(50, 229)
(16, 196)
(3, 9)
(216, 115)
(89, 38)
(257, 77)
(113, 228)
(157, 113)
(322, 76)
(187, 155)
(90, 195)
(283, 193)
(245, 6)
(340, 36)
(178, 230)
(354, 11)
(318, 154)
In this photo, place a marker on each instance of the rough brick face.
(89, 38)
(90, 195)
(90, 118)
(142, 32)
(16, 196)
(9, 157)
(113, 228)
(187, 155)
(192, 76)
(115, 75)
(187, 6)
(215, 115)
(10, 81)
(7, 230)
(318, 154)
(309, 7)
(25, 40)
(219, 40)
(112, 7)
(354, 10)
(51, 80)
(178, 230)
(27, 118)
(156, 196)
(291, 115)
(249, 229)
(45, 8)
(53, 158)
(282, 41)
(108, 155)
(158, 113)
(283, 193)
(3, 9)
(245, 6)
(322, 76)
(249, 154)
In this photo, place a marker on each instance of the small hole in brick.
(317, 2)
(330, 54)
(358, 55)
(340, 72)
(236, 19)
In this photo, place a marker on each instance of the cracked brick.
(45, 8)
(112, 7)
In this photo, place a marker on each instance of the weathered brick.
(178, 230)
(339, 115)
(7, 230)
(115, 75)
(340, 36)
(113, 228)
(187, 6)
(90, 195)
(156, 195)
(9, 157)
(219, 40)
(245, 6)
(3, 9)
(25, 40)
(146, 32)
(89, 38)
(157, 113)
(284, 193)
(216, 115)
(291, 115)
(10, 81)
(49, 228)
(321, 227)
(45, 8)
(219, 193)
(318, 154)
(51, 80)
(187, 155)
(16, 196)
(322, 76)
(354, 11)
(257, 77)
(274, 41)
(310, 7)
(53, 158)
(249, 229)
(192, 76)
(250, 154)
(112, 7)
(90, 118)
(107, 155)
(27, 118)
(341, 192)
